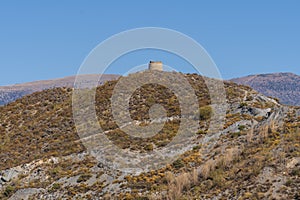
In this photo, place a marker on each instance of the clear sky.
(50, 39)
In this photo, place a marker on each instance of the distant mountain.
(11, 93)
(284, 86)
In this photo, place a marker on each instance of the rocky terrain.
(11, 93)
(255, 155)
(284, 86)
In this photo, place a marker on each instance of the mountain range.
(11, 93)
(284, 86)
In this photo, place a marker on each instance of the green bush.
(178, 164)
(149, 147)
(55, 187)
(242, 127)
(205, 112)
(9, 190)
(196, 147)
(201, 132)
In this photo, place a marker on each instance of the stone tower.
(156, 65)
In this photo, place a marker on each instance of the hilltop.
(256, 155)
(284, 86)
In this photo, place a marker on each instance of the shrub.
(235, 134)
(295, 172)
(243, 104)
(242, 127)
(196, 147)
(205, 112)
(201, 132)
(55, 187)
(83, 178)
(288, 182)
(149, 147)
(178, 164)
(9, 190)
(249, 98)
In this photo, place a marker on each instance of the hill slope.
(284, 86)
(256, 155)
(13, 92)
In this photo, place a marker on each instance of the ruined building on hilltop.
(155, 65)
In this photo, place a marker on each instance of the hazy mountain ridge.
(11, 93)
(255, 156)
(284, 86)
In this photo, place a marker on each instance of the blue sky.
(50, 39)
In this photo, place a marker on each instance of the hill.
(13, 92)
(256, 155)
(284, 86)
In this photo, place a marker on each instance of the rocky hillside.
(11, 93)
(284, 86)
(256, 155)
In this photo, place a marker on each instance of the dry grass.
(229, 156)
(176, 185)
(183, 182)
(249, 136)
(263, 133)
(206, 168)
